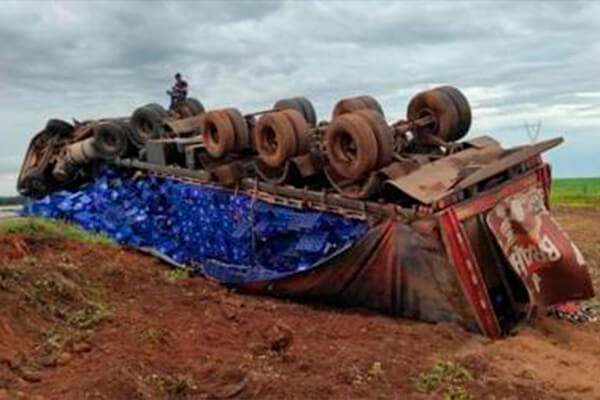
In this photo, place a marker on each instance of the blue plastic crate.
(313, 243)
(191, 223)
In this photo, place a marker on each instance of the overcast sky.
(516, 62)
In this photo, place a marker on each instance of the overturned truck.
(401, 217)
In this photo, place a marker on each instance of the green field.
(576, 191)
(11, 200)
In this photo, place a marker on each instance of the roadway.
(9, 212)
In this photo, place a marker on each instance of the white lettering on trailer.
(522, 258)
(518, 264)
(549, 249)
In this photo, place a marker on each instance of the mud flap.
(548, 263)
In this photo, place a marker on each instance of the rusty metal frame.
(488, 199)
(468, 272)
(309, 199)
(545, 177)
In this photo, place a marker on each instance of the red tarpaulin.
(394, 269)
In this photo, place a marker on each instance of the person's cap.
(177, 75)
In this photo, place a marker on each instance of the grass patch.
(57, 298)
(177, 274)
(89, 316)
(60, 296)
(447, 378)
(55, 339)
(155, 336)
(54, 228)
(12, 200)
(179, 386)
(576, 191)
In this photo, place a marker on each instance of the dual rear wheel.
(449, 110)
(281, 135)
(148, 121)
(358, 142)
(277, 136)
(225, 131)
(190, 107)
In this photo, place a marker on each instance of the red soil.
(94, 322)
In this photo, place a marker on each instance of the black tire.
(160, 110)
(351, 146)
(147, 124)
(182, 110)
(129, 133)
(300, 104)
(464, 109)
(286, 104)
(310, 115)
(383, 135)
(109, 140)
(59, 127)
(373, 104)
(275, 139)
(34, 185)
(439, 105)
(195, 105)
(352, 104)
(240, 129)
(301, 129)
(218, 133)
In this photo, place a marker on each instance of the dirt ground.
(81, 321)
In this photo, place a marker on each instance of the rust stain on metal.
(432, 180)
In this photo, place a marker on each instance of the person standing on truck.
(178, 91)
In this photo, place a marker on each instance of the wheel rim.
(270, 144)
(347, 147)
(213, 133)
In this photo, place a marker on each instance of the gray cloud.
(516, 61)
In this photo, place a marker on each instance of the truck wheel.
(300, 104)
(310, 115)
(464, 109)
(356, 103)
(351, 146)
(218, 134)
(275, 139)
(301, 130)
(59, 127)
(440, 106)
(240, 129)
(109, 140)
(373, 104)
(129, 133)
(160, 110)
(383, 136)
(182, 110)
(196, 107)
(147, 123)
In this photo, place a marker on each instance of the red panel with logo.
(540, 252)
